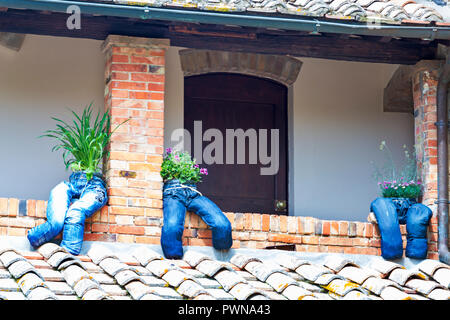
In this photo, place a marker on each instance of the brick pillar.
(135, 74)
(424, 95)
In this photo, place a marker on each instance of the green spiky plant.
(85, 141)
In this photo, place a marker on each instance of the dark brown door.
(232, 101)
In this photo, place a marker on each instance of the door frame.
(285, 116)
(199, 61)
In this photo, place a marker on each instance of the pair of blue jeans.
(390, 213)
(69, 204)
(179, 198)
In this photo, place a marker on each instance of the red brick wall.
(134, 78)
(249, 230)
(424, 96)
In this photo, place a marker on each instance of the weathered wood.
(227, 38)
(396, 52)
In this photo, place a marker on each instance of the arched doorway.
(238, 128)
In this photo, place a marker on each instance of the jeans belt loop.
(184, 186)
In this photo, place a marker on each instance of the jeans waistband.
(79, 177)
(177, 184)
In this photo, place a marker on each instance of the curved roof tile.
(239, 277)
(387, 11)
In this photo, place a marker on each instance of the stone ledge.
(134, 42)
(283, 69)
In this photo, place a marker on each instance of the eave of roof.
(428, 31)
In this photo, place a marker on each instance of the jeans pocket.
(169, 193)
(100, 195)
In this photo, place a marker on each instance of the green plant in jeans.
(398, 182)
(180, 166)
(84, 141)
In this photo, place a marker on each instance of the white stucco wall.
(335, 116)
(47, 76)
(338, 126)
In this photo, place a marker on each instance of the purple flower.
(196, 165)
(169, 150)
(204, 171)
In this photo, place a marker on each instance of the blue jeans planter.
(179, 198)
(390, 213)
(69, 204)
(402, 205)
(417, 220)
(391, 238)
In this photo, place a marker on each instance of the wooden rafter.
(227, 38)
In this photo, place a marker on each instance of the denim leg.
(215, 219)
(58, 203)
(391, 237)
(417, 220)
(174, 212)
(91, 200)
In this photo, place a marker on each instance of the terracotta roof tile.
(29, 282)
(387, 10)
(337, 263)
(228, 279)
(312, 272)
(442, 276)
(41, 293)
(401, 276)
(191, 289)
(106, 275)
(356, 274)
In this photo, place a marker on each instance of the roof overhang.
(294, 23)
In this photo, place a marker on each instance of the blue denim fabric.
(69, 204)
(176, 200)
(391, 238)
(390, 213)
(402, 205)
(417, 220)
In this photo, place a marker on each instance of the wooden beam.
(395, 52)
(385, 39)
(219, 37)
(207, 33)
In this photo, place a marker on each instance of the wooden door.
(233, 101)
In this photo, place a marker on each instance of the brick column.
(135, 74)
(424, 95)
